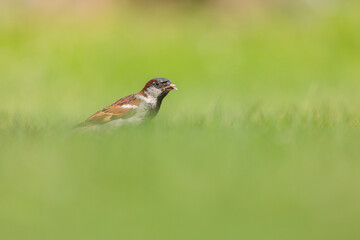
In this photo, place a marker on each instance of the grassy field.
(260, 142)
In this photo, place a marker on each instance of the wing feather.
(113, 112)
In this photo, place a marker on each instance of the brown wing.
(113, 112)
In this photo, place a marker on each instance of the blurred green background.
(260, 142)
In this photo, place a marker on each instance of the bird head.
(158, 87)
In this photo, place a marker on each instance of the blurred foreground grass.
(260, 142)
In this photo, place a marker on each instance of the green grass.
(260, 142)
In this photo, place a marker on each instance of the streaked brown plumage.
(135, 108)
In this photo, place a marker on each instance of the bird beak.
(173, 87)
(170, 87)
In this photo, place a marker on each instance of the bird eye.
(157, 84)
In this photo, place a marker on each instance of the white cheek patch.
(129, 106)
(153, 91)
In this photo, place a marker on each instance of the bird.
(133, 109)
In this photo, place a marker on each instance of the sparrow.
(135, 108)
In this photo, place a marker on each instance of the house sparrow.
(135, 108)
